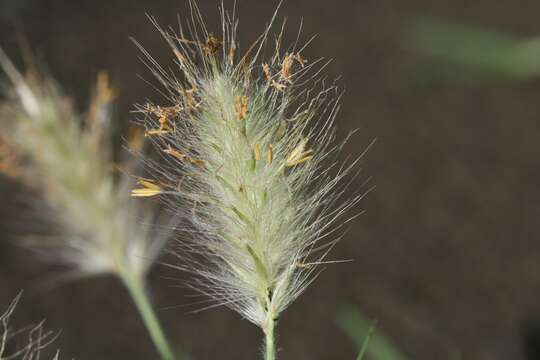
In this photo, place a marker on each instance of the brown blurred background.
(447, 256)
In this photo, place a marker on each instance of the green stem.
(270, 345)
(136, 289)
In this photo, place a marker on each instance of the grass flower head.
(249, 145)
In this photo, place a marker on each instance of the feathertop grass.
(249, 154)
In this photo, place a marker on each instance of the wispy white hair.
(38, 339)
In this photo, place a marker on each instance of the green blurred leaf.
(475, 48)
(371, 344)
(365, 344)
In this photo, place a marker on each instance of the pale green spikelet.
(248, 145)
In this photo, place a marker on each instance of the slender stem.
(270, 345)
(136, 289)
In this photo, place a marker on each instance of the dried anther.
(298, 57)
(267, 72)
(164, 115)
(189, 99)
(241, 107)
(156, 132)
(104, 95)
(212, 45)
(270, 78)
(181, 156)
(286, 68)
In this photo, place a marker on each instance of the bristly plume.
(68, 157)
(250, 158)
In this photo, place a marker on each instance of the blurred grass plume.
(68, 157)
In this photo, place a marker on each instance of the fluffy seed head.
(248, 145)
(68, 157)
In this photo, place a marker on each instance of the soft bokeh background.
(447, 256)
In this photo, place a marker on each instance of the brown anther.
(242, 189)
(286, 67)
(104, 89)
(155, 132)
(241, 107)
(164, 115)
(212, 45)
(177, 154)
(298, 57)
(164, 123)
(135, 138)
(197, 162)
(104, 95)
(267, 72)
(189, 99)
(270, 78)
(164, 111)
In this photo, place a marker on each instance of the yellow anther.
(257, 152)
(270, 154)
(177, 154)
(300, 161)
(298, 155)
(148, 189)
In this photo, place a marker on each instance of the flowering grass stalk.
(68, 157)
(249, 146)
